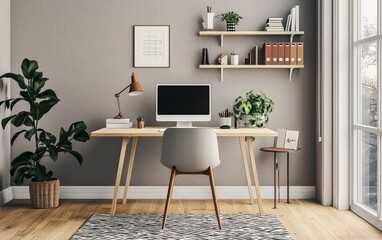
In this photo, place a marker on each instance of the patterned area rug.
(182, 226)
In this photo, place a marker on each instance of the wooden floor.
(303, 219)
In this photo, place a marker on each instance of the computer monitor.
(183, 103)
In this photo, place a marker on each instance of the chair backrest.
(190, 149)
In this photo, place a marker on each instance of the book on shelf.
(297, 18)
(287, 53)
(275, 19)
(275, 24)
(300, 53)
(293, 53)
(275, 53)
(293, 23)
(256, 55)
(119, 125)
(288, 23)
(274, 29)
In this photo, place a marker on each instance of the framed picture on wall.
(152, 46)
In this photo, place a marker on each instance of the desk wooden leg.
(255, 177)
(247, 174)
(130, 168)
(125, 141)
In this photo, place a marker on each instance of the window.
(367, 124)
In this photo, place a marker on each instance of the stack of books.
(274, 24)
(293, 20)
(118, 123)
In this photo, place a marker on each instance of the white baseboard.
(180, 192)
(6, 195)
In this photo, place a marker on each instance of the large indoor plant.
(253, 109)
(44, 188)
(231, 18)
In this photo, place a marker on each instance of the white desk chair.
(190, 151)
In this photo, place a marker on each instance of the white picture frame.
(152, 46)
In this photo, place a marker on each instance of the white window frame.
(355, 116)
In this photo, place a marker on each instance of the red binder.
(267, 53)
(275, 53)
(287, 53)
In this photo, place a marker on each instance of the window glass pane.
(369, 84)
(368, 18)
(368, 169)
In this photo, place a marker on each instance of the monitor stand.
(183, 124)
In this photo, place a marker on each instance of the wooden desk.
(243, 134)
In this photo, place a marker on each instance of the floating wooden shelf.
(247, 33)
(222, 67)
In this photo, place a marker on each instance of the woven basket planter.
(45, 194)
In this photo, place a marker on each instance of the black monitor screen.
(183, 100)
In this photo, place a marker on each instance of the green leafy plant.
(29, 163)
(258, 106)
(229, 17)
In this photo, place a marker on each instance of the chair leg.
(216, 205)
(169, 195)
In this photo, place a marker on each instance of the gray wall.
(5, 66)
(86, 49)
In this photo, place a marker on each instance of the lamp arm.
(122, 90)
(120, 114)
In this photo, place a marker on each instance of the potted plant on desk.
(253, 109)
(43, 188)
(231, 18)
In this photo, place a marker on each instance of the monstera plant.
(254, 107)
(36, 102)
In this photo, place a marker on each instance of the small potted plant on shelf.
(231, 18)
(43, 188)
(253, 109)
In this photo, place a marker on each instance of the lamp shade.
(135, 87)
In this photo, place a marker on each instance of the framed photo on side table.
(152, 46)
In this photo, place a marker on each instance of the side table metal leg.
(274, 179)
(288, 177)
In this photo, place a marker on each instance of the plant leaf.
(16, 135)
(29, 134)
(48, 94)
(39, 153)
(40, 173)
(63, 136)
(20, 118)
(38, 84)
(66, 146)
(29, 67)
(19, 175)
(5, 121)
(78, 156)
(53, 152)
(36, 111)
(23, 157)
(16, 100)
(82, 136)
(76, 127)
(17, 77)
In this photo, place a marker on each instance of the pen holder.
(225, 122)
(141, 124)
